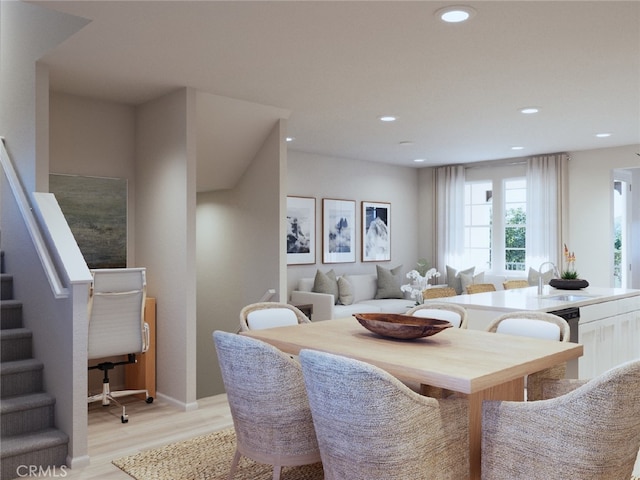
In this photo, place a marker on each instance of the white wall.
(27, 32)
(240, 249)
(165, 236)
(318, 176)
(591, 209)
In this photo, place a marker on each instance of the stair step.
(15, 344)
(20, 377)
(26, 413)
(6, 286)
(46, 448)
(10, 314)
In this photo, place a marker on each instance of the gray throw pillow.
(453, 278)
(389, 282)
(346, 290)
(534, 276)
(326, 283)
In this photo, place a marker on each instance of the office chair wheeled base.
(107, 396)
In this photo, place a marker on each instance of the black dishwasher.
(572, 316)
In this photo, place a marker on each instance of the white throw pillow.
(466, 279)
(453, 277)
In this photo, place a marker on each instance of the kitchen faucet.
(540, 281)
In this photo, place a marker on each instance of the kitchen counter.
(552, 299)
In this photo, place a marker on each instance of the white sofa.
(364, 288)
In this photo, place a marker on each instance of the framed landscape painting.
(338, 231)
(376, 231)
(96, 210)
(301, 230)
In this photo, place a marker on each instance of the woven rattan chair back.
(480, 288)
(455, 314)
(279, 314)
(590, 433)
(268, 403)
(438, 292)
(534, 381)
(369, 425)
(511, 284)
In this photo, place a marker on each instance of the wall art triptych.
(338, 231)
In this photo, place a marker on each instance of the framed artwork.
(376, 231)
(301, 230)
(338, 231)
(96, 210)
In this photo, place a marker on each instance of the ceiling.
(333, 67)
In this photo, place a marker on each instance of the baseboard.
(186, 407)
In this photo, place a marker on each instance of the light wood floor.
(150, 426)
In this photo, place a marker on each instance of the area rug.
(207, 457)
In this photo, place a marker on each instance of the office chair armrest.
(145, 338)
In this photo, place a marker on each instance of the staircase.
(30, 442)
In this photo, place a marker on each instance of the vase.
(568, 284)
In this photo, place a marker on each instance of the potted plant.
(569, 278)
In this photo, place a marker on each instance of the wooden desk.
(480, 364)
(142, 374)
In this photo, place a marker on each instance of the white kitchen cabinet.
(610, 334)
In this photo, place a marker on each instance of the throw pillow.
(346, 290)
(326, 283)
(466, 279)
(453, 278)
(389, 282)
(534, 275)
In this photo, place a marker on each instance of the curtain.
(546, 209)
(449, 216)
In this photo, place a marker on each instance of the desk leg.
(513, 390)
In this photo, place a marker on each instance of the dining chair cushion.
(271, 317)
(451, 317)
(527, 327)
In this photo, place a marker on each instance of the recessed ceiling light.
(406, 143)
(455, 14)
(420, 160)
(388, 118)
(529, 110)
(517, 148)
(603, 135)
(290, 139)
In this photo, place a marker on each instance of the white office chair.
(117, 326)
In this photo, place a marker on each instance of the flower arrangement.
(569, 273)
(419, 283)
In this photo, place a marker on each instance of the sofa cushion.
(387, 305)
(388, 282)
(326, 283)
(453, 278)
(364, 286)
(344, 311)
(345, 290)
(467, 279)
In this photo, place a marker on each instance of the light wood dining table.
(482, 365)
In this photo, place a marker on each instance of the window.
(495, 223)
(478, 211)
(515, 207)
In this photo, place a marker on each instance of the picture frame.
(301, 230)
(376, 231)
(338, 231)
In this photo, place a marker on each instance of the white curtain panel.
(450, 216)
(546, 209)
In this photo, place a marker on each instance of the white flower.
(419, 283)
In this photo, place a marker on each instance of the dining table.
(481, 365)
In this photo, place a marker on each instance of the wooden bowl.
(401, 326)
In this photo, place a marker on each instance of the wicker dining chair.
(455, 314)
(512, 284)
(480, 288)
(268, 402)
(539, 325)
(371, 426)
(438, 292)
(261, 315)
(590, 433)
